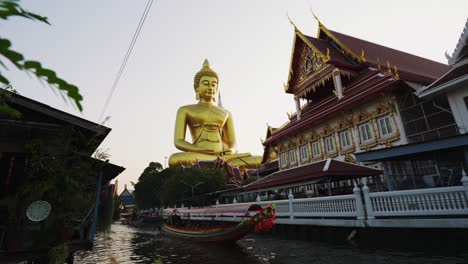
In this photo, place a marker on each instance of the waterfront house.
(49, 181)
(127, 200)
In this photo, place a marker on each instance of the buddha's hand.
(207, 151)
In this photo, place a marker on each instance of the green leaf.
(4, 44)
(10, 8)
(3, 79)
(32, 65)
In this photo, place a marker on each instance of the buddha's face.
(207, 88)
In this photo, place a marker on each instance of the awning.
(456, 78)
(411, 149)
(325, 169)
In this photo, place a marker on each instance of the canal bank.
(329, 246)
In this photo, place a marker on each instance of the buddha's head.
(206, 83)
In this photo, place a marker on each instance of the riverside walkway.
(445, 207)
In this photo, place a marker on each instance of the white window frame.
(368, 131)
(304, 151)
(383, 127)
(316, 143)
(292, 156)
(330, 142)
(348, 139)
(284, 159)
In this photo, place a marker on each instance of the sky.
(248, 43)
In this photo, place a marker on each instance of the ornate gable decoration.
(363, 117)
(343, 124)
(309, 62)
(327, 131)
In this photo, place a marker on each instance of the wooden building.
(49, 181)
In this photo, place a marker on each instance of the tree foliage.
(5, 97)
(157, 187)
(102, 154)
(11, 8)
(148, 187)
(178, 186)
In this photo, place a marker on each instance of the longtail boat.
(262, 221)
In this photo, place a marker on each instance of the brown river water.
(146, 245)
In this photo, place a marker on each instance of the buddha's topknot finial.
(206, 63)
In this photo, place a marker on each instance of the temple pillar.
(338, 83)
(298, 107)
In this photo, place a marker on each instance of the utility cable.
(125, 60)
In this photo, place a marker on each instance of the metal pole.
(96, 204)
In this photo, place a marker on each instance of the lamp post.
(191, 186)
(165, 162)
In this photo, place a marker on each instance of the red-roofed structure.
(351, 96)
(323, 170)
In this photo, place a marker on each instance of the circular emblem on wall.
(38, 211)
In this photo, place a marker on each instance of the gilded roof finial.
(389, 68)
(397, 76)
(378, 64)
(327, 58)
(316, 18)
(292, 23)
(363, 57)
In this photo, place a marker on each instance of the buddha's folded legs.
(188, 158)
(244, 160)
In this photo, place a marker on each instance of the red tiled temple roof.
(335, 169)
(369, 83)
(410, 67)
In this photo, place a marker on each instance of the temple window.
(386, 127)
(316, 149)
(304, 152)
(365, 132)
(345, 139)
(329, 144)
(292, 156)
(284, 159)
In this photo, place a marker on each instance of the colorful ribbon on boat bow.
(264, 219)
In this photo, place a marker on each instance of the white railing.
(342, 206)
(446, 201)
(345, 206)
(418, 202)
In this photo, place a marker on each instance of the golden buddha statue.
(211, 128)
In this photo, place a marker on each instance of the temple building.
(436, 156)
(351, 96)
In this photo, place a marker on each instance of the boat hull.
(211, 235)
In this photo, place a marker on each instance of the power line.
(127, 55)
